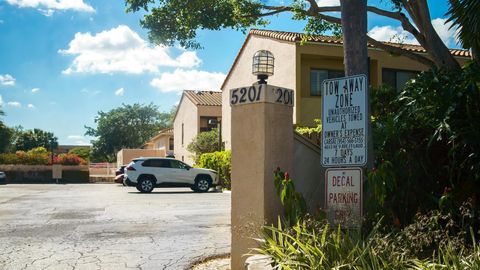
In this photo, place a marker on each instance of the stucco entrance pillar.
(262, 140)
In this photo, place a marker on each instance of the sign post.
(344, 145)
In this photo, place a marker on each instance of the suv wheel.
(202, 184)
(145, 185)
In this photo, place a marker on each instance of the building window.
(207, 123)
(182, 134)
(396, 78)
(170, 144)
(317, 76)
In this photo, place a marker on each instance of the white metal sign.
(258, 93)
(344, 121)
(57, 171)
(344, 196)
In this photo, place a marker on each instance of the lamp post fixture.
(262, 66)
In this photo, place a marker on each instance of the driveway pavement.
(107, 226)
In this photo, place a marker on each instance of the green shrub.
(293, 202)
(425, 142)
(38, 150)
(220, 162)
(428, 243)
(205, 142)
(25, 158)
(82, 152)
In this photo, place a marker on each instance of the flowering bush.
(69, 159)
(40, 158)
(27, 158)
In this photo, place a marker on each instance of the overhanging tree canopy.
(171, 21)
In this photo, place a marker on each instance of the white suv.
(146, 173)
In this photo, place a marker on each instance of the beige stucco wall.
(307, 173)
(241, 74)
(160, 143)
(188, 116)
(125, 156)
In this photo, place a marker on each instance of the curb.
(206, 259)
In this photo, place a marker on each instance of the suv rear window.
(161, 163)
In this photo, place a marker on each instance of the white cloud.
(180, 80)
(31, 106)
(77, 139)
(14, 104)
(1, 100)
(120, 92)
(449, 36)
(35, 90)
(7, 80)
(328, 3)
(121, 49)
(397, 34)
(49, 6)
(46, 12)
(392, 34)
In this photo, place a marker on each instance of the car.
(146, 173)
(120, 170)
(3, 178)
(119, 179)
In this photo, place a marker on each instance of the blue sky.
(62, 61)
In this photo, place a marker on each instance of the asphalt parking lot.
(108, 226)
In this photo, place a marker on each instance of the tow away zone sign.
(344, 196)
(344, 121)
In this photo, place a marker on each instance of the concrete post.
(262, 140)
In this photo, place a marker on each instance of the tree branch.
(276, 11)
(400, 51)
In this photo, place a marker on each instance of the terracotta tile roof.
(297, 37)
(204, 98)
(167, 131)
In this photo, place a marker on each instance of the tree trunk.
(434, 45)
(354, 28)
(355, 52)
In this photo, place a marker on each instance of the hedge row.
(32, 158)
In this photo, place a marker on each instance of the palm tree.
(465, 14)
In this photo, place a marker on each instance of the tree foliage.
(204, 142)
(128, 126)
(171, 21)
(5, 135)
(82, 152)
(465, 13)
(29, 139)
(426, 144)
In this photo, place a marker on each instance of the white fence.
(102, 169)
